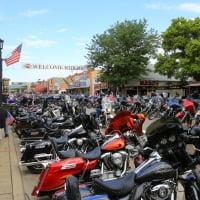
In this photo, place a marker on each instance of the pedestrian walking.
(67, 100)
(3, 126)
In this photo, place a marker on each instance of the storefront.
(145, 87)
(192, 88)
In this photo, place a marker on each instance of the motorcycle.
(21, 124)
(106, 114)
(125, 121)
(157, 111)
(52, 127)
(191, 186)
(138, 184)
(37, 154)
(187, 113)
(169, 153)
(172, 107)
(110, 159)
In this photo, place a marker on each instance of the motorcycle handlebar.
(186, 137)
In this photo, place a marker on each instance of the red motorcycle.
(126, 121)
(187, 113)
(111, 159)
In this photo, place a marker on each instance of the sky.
(57, 32)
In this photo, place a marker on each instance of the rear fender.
(53, 177)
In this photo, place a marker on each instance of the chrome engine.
(79, 143)
(161, 191)
(113, 165)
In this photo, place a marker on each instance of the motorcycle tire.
(152, 115)
(192, 191)
(19, 133)
(35, 169)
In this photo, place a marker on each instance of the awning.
(193, 84)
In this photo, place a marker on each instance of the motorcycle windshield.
(163, 127)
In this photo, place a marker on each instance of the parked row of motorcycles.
(186, 110)
(170, 157)
(80, 149)
(77, 160)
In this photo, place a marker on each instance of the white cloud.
(159, 6)
(32, 13)
(194, 7)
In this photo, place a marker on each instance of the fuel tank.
(112, 143)
(155, 172)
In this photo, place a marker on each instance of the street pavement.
(11, 186)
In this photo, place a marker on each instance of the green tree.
(181, 45)
(123, 51)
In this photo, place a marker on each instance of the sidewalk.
(11, 187)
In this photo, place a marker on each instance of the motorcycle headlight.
(117, 159)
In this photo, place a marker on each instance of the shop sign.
(54, 67)
(148, 82)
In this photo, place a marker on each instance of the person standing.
(3, 127)
(99, 104)
(67, 100)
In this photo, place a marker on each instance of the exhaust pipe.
(44, 163)
(30, 164)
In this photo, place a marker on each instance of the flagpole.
(1, 69)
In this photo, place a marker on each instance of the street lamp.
(1, 81)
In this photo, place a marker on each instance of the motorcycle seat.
(57, 143)
(91, 155)
(61, 140)
(117, 187)
(67, 123)
(70, 153)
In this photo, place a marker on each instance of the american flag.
(9, 119)
(14, 57)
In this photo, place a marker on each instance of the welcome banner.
(54, 67)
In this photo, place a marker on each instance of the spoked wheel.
(152, 115)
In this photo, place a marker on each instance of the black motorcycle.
(40, 152)
(168, 154)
